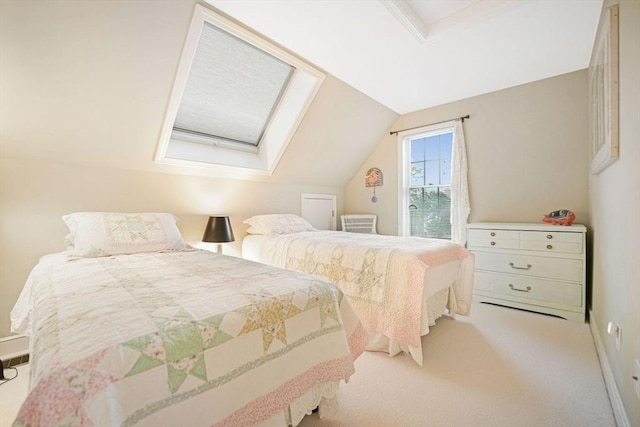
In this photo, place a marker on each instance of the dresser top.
(573, 228)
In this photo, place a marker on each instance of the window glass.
(445, 171)
(432, 173)
(432, 148)
(446, 144)
(429, 191)
(429, 212)
(417, 150)
(417, 174)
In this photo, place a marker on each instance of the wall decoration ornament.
(373, 179)
(604, 93)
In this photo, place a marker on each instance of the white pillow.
(277, 224)
(96, 234)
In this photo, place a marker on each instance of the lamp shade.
(218, 230)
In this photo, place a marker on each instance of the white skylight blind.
(232, 90)
(236, 102)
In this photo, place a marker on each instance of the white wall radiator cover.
(362, 223)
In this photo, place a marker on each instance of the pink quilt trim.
(58, 396)
(358, 341)
(265, 406)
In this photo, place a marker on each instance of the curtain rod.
(430, 124)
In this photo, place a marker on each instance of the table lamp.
(218, 231)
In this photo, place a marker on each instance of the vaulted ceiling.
(414, 54)
(95, 92)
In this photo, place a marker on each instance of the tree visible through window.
(430, 186)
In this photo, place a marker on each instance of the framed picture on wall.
(604, 93)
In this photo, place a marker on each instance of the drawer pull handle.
(549, 236)
(493, 243)
(520, 268)
(519, 290)
(493, 234)
(549, 247)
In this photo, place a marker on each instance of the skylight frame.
(188, 151)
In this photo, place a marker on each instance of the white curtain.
(460, 207)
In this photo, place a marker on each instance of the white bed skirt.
(322, 396)
(434, 308)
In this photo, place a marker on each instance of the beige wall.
(526, 148)
(85, 86)
(615, 231)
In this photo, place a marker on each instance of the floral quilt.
(184, 338)
(382, 276)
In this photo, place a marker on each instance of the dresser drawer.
(548, 246)
(498, 239)
(494, 243)
(544, 241)
(551, 236)
(493, 234)
(529, 288)
(552, 241)
(530, 265)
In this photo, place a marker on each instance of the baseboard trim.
(14, 350)
(609, 380)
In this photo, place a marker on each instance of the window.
(430, 184)
(232, 91)
(237, 99)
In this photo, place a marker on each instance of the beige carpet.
(498, 367)
(12, 394)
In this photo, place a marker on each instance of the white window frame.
(303, 87)
(404, 156)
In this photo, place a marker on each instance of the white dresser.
(537, 267)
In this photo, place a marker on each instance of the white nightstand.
(537, 267)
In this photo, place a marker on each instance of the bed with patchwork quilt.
(181, 337)
(398, 286)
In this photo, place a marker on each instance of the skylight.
(236, 101)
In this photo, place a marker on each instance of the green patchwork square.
(181, 341)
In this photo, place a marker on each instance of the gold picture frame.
(604, 93)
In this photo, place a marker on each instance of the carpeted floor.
(498, 367)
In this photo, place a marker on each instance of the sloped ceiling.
(415, 54)
(88, 81)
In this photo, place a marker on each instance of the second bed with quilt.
(398, 286)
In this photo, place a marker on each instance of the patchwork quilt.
(382, 276)
(183, 338)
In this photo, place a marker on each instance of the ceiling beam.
(407, 17)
